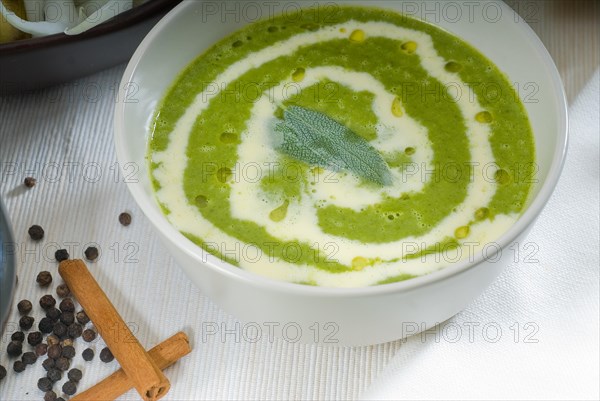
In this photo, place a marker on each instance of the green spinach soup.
(365, 148)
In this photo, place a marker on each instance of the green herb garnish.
(318, 140)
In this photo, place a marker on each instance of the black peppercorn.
(44, 279)
(75, 375)
(62, 290)
(44, 384)
(68, 352)
(48, 364)
(53, 313)
(36, 232)
(52, 339)
(46, 325)
(24, 307)
(26, 322)
(2, 372)
(88, 335)
(69, 388)
(60, 399)
(66, 341)
(67, 305)
(41, 349)
(50, 396)
(62, 363)
(29, 182)
(125, 219)
(106, 356)
(19, 366)
(14, 348)
(29, 358)
(74, 330)
(82, 318)
(18, 336)
(54, 351)
(87, 354)
(59, 329)
(54, 375)
(91, 253)
(47, 302)
(61, 255)
(67, 318)
(34, 338)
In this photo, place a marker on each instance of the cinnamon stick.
(164, 355)
(146, 377)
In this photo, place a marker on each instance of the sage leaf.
(318, 140)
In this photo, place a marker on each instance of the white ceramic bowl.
(331, 315)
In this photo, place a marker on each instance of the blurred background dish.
(29, 64)
(7, 266)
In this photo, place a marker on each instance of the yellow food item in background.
(9, 33)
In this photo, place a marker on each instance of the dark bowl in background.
(35, 63)
(7, 266)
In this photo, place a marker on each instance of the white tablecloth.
(533, 334)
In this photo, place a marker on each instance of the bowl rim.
(526, 219)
